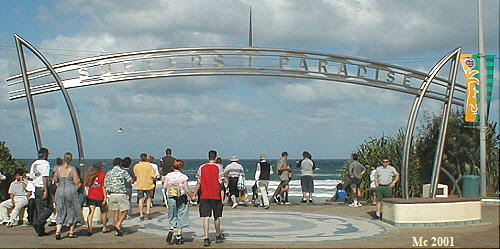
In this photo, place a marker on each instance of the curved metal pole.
(410, 127)
(29, 97)
(455, 183)
(444, 125)
(69, 103)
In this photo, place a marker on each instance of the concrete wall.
(445, 212)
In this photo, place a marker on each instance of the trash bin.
(470, 186)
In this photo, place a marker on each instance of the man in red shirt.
(210, 176)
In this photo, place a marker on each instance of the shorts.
(355, 182)
(118, 202)
(373, 191)
(307, 184)
(145, 193)
(96, 203)
(284, 182)
(209, 206)
(383, 192)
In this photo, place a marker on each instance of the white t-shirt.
(30, 187)
(306, 167)
(177, 178)
(373, 173)
(155, 167)
(39, 169)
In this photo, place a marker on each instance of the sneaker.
(277, 199)
(179, 240)
(360, 205)
(287, 203)
(266, 207)
(352, 205)
(220, 239)
(206, 242)
(235, 205)
(310, 201)
(170, 235)
(303, 201)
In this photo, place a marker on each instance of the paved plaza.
(290, 226)
(278, 226)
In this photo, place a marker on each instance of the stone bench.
(426, 212)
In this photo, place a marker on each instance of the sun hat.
(263, 157)
(234, 159)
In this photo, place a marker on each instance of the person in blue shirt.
(340, 195)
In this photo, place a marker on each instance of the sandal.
(58, 236)
(150, 216)
(72, 235)
(106, 230)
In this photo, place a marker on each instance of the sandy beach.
(484, 235)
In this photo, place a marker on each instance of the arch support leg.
(410, 127)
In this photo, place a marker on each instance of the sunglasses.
(385, 161)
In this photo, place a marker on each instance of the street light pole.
(483, 101)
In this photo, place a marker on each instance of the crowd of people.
(62, 191)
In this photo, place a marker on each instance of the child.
(340, 194)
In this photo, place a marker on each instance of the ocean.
(327, 175)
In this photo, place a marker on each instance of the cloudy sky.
(243, 116)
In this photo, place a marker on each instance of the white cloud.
(321, 93)
(200, 107)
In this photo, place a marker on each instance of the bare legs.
(141, 206)
(283, 190)
(118, 217)
(217, 226)
(90, 218)
(379, 208)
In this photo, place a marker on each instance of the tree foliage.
(8, 167)
(374, 150)
(461, 151)
(460, 156)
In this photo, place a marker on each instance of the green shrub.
(8, 167)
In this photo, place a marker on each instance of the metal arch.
(243, 69)
(27, 90)
(50, 87)
(120, 57)
(21, 42)
(444, 125)
(444, 122)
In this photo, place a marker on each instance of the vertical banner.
(490, 68)
(471, 70)
(470, 65)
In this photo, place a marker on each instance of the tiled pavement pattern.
(269, 226)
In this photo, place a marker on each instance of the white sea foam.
(322, 188)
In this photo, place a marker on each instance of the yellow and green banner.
(470, 65)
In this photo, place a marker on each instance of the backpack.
(173, 190)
